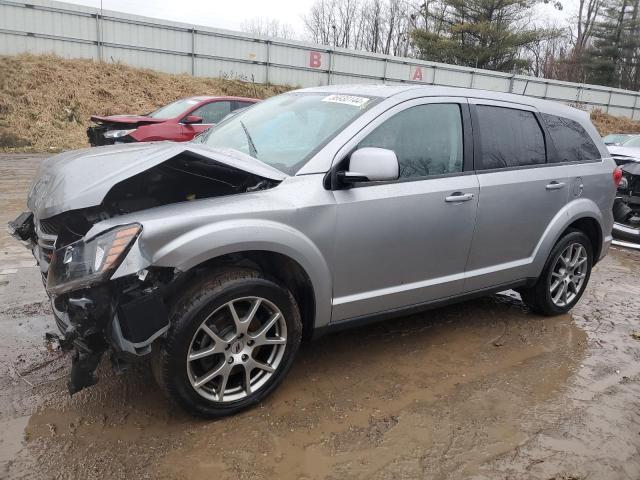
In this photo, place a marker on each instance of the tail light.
(617, 176)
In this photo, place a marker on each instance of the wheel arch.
(591, 228)
(281, 252)
(581, 214)
(278, 267)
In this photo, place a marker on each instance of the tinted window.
(427, 139)
(242, 104)
(213, 112)
(509, 138)
(572, 142)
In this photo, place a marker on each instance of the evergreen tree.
(613, 57)
(487, 34)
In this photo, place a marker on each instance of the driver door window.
(427, 139)
(212, 112)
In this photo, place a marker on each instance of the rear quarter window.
(572, 142)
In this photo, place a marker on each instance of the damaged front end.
(98, 309)
(626, 208)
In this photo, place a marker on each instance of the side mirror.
(371, 165)
(189, 119)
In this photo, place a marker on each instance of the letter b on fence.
(315, 59)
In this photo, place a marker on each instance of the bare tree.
(588, 11)
(268, 28)
(381, 26)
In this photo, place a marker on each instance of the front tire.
(234, 335)
(564, 277)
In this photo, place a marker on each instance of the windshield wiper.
(252, 146)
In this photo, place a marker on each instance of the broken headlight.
(118, 133)
(88, 262)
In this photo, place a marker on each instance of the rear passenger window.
(572, 142)
(509, 138)
(427, 139)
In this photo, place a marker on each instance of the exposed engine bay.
(626, 208)
(186, 177)
(95, 314)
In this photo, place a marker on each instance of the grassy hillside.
(46, 101)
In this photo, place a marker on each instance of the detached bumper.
(124, 316)
(626, 235)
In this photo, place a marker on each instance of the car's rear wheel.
(233, 338)
(564, 277)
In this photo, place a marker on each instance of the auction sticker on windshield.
(347, 100)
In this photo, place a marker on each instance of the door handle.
(555, 185)
(459, 197)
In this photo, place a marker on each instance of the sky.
(231, 14)
(211, 13)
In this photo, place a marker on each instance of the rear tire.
(234, 335)
(564, 277)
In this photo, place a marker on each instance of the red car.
(179, 121)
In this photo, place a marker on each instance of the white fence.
(72, 31)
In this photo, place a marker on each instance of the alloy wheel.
(568, 275)
(236, 349)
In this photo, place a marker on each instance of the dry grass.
(607, 124)
(46, 101)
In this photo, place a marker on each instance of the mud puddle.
(434, 394)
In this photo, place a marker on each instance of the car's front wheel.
(233, 337)
(564, 277)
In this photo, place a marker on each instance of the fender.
(572, 211)
(221, 238)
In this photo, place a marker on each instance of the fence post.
(384, 73)
(330, 52)
(193, 52)
(609, 100)
(513, 76)
(266, 74)
(98, 42)
(635, 106)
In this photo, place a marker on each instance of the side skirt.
(361, 320)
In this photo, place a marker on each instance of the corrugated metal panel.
(452, 78)
(207, 67)
(358, 65)
(78, 31)
(145, 36)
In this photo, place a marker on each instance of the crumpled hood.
(82, 178)
(126, 119)
(632, 152)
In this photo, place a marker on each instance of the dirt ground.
(481, 390)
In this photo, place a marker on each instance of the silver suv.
(315, 210)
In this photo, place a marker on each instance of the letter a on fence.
(416, 73)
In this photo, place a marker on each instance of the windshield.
(632, 142)
(286, 130)
(174, 109)
(615, 138)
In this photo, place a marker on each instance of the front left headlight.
(118, 133)
(88, 262)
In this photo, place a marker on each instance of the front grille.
(51, 226)
(46, 242)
